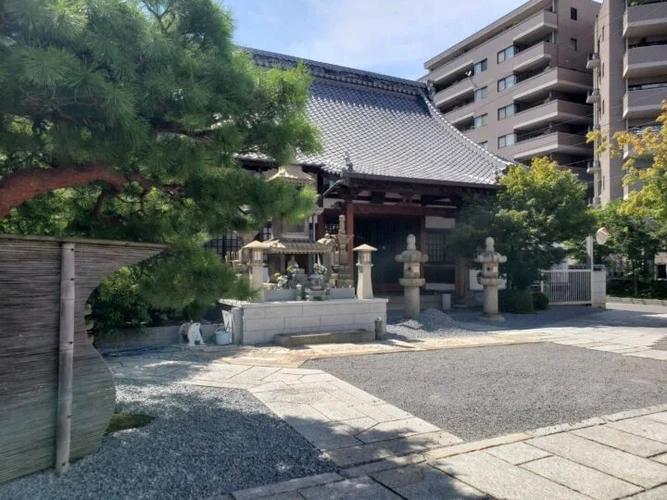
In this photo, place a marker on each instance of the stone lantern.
(412, 260)
(256, 267)
(490, 279)
(364, 265)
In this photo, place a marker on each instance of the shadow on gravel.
(203, 441)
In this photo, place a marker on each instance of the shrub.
(540, 301)
(515, 301)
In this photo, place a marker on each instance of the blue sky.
(394, 37)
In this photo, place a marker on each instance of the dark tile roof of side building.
(379, 126)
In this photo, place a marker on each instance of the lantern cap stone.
(256, 245)
(365, 248)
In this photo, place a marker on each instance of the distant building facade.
(519, 87)
(629, 65)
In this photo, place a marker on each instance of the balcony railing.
(641, 61)
(645, 19)
(593, 61)
(644, 101)
(593, 96)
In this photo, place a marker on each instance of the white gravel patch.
(203, 441)
(435, 323)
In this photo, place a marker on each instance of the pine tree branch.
(23, 185)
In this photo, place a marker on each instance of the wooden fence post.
(66, 358)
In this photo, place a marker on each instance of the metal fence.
(567, 286)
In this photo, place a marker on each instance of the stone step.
(346, 337)
(397, 302)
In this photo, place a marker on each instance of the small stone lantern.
(364, 265)
(490, 279)
(411, 281)
(256, 267)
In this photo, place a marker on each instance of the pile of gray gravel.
(203, 441)
(434, 323)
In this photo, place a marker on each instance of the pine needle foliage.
(125, 119)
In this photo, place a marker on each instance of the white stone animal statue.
(192, 332)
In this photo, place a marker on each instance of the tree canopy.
(126, 119)
(650, 199)
(538, 210)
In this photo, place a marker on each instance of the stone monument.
(342, 267)
(412, 280)
(364, 265)
(490, 279)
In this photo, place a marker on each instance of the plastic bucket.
(446, 301)
(223, 337)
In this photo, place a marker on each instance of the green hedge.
(516, 301)
(647, 290)
(540, 301)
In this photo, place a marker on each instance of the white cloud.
(381, 33)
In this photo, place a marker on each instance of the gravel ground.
(434, 323)
(203, 442)
(456, 323)
(476, 393)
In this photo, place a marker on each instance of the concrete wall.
(261, 321)
(599, 290)
(152, 336)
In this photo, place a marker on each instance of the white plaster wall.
(599, 289)
(262, 321)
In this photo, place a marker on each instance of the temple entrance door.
(388, 235)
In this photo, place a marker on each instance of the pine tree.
(125, 119)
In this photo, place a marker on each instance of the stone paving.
(384, 452)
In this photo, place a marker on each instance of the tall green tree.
(124, 119)
(632, 238)
(537, 211)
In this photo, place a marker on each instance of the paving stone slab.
(615, 438)
(350, 489)
(555, 429)
(389, 463)
(580, 478)
(631, 468)
(517, 453)
(365, 453)
(660, 417)
(337, 410)
(254, 374)
(396, 429)
(291, 396)
(419, 482)
(643, 426)
(458, 449)
(286, 486)
(660, 458)
(659, 493)
(502, 480)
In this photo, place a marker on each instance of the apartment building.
(629, 64)
(519, 86)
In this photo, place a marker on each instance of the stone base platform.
(294, 340)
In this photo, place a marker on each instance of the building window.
(480, 120)
(506, 111)
(479, 67)
(506, 82)
(435, 247)
(484, 145)
(573, 44)
(506, 140)
(573, 13)
(602, 106)
(480, 94)
(507, 53)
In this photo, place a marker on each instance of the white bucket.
(223, 337)
(446, 301)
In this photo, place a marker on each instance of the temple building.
(390, 163)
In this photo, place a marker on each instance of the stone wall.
(262, 321)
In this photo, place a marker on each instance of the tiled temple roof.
(379, 126)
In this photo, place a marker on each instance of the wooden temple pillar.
(349, 220)
(461, 279)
